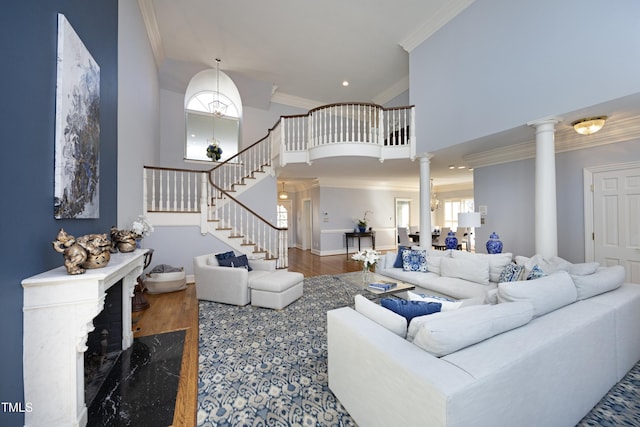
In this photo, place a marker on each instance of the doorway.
(284, 215)
(403, 216)
(306, 225)
(612, 209)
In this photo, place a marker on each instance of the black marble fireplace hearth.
(142, 386)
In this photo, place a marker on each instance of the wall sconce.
(589, 125)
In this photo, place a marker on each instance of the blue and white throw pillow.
(536, 273)
(414, 260)
(511, 273)
(410, 309)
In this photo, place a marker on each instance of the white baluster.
(175, 191)
(161, 190)
(189, 192)
(182, 192)
(352, 116)
(369, 126)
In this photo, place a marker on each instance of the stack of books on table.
(382, 286)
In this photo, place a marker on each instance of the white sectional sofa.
(454, 273)
(543, 355)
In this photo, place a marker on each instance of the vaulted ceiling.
(298, 53)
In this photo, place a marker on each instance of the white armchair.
(227, 285)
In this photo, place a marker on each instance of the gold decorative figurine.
(89, 251)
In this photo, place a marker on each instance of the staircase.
(209, 199)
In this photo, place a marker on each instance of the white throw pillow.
(471, 269)
(548, 265)
(497, 262)
(447, 304)
(433, 264)
(213, 261)
(546, 294)
(383, 317)
(583, 269)
(604, 280)
(388, 259)
(447, 332)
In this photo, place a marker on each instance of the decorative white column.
(425, 195)
(546, 217)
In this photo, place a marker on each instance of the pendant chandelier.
(217, 107)
(283, 195)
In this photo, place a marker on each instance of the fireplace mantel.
(58, 315)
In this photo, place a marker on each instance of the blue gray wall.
(28, 34)
(509, 194)
(501, 64)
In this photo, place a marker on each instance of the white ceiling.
(298, 52)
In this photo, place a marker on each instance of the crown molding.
(294, 101)
(445, 14)
(393, 91)
(153, 32)
(357, 184)
(566, 139)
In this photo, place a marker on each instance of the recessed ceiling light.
(345, 83)
(461, 167)
(452, 167)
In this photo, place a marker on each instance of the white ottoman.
(276, 290)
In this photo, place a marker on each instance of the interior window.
(283, 217)
(206, 121)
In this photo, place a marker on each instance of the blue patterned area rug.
(261, 367)
(620, 407)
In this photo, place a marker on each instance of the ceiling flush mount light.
(589, 125)
(283, 195)
(217, 107)
(345, 83)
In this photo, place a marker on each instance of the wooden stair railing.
(176, 191)
(243, 165)
(243, 223)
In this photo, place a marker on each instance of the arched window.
(203, 123)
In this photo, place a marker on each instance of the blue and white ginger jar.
(451, 242)
(494, 244)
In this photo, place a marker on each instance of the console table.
(359, 235)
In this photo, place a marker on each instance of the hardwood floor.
(171, 312)
(312, 265)
(179, 310)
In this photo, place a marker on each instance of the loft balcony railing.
(345, 129)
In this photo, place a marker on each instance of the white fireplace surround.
(58, 315)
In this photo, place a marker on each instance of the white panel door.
(616, 220)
